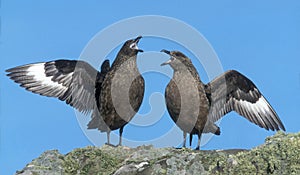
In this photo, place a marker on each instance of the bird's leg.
(198, 144)
(120, 136)
(191, 139)
(183, 143)
(184, 140)
(108, 139)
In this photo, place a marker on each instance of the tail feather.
(94, 123)
(218, 131)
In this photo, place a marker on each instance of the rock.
(50, 162)
(132, 169)
(280, 154)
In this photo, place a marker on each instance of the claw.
(109, 144)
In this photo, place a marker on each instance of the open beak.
(136, 41)
(167, 62)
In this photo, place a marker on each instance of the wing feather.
(68, 80)
(232, 91)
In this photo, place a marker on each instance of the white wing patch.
(38, 73)
(259, 113)
(260, 107)
(33, 77)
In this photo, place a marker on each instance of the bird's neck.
(186, 72)
(124, 59)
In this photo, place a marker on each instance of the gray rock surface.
(280, 154)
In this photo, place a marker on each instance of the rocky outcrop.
(280, 154)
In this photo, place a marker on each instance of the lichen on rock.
(280, 154)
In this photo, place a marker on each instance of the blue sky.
(259, 39)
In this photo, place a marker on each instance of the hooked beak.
(167, 62)
(136, 41)
(166, 51)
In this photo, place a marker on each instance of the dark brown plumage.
(195, 107)
(88, 90)
(122, 92)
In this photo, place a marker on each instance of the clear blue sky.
(259, 39)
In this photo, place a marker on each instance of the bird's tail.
(93, 124)
(218, 131)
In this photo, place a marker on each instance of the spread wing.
(232, 91)
(68, 80)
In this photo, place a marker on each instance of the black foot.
(197, 148)
(109, 144)
(180, 147)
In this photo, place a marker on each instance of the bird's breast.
(121, 88)
(186, 102)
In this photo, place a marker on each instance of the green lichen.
(280, 154)
(90, 160)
